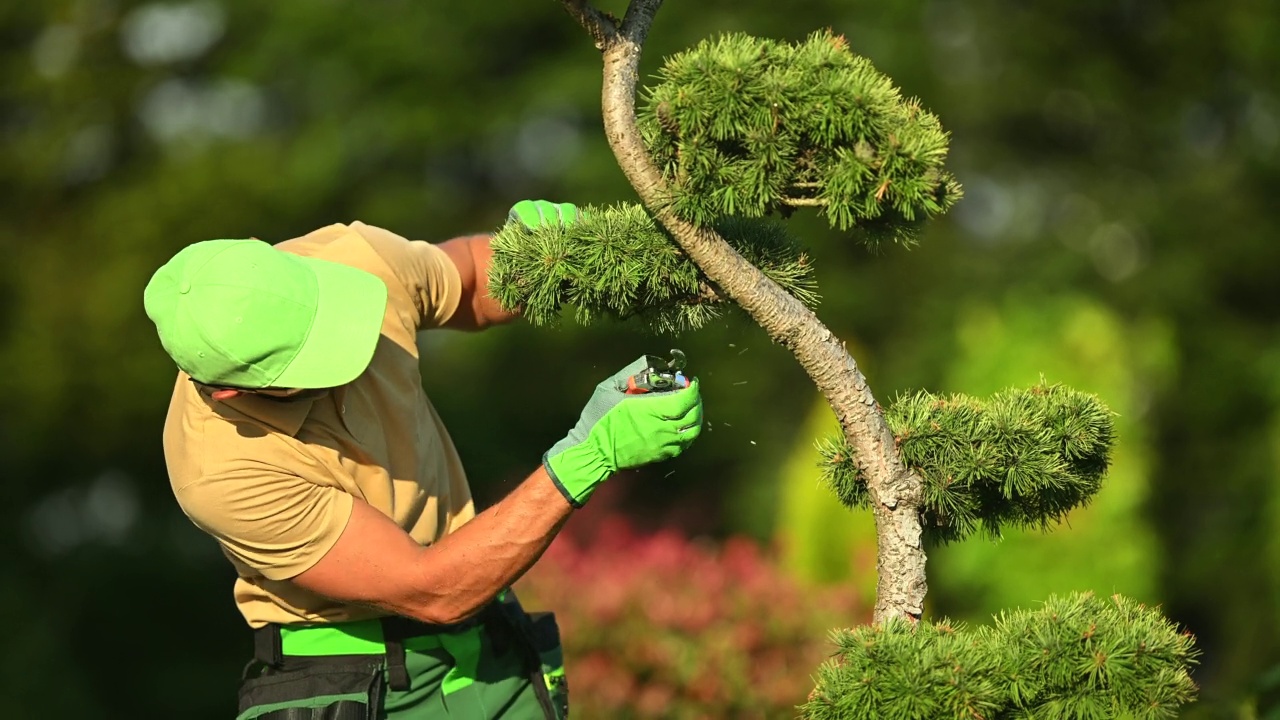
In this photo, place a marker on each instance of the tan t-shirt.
(274, 481)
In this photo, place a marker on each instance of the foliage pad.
(1081, 657)
(1022, 457)
(617, 262)
(748, 126)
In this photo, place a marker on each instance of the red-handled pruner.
(661, 375)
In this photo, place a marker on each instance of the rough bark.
(895, 491)
(599, 25)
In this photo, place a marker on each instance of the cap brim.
(345, 331)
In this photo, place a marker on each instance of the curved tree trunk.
(895, 491)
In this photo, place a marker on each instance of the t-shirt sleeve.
(277, 524)
(426, 273)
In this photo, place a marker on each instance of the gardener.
(299, 436)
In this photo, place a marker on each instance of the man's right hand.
(618, 431)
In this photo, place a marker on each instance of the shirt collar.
(282, 416)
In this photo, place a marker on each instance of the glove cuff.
(576, 472)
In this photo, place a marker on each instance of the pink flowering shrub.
(657, 626)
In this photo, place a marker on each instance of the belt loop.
(267, 646)
(397, 671)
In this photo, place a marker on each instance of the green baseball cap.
(243, 314)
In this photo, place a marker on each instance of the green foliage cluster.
(1023, 457)
(617, 262)
(747, 126)
(1079, 658)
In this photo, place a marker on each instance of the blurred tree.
(656, 626)
(820, 542)
(1108, 546)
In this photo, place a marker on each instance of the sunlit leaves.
(1080, 658)
(616, 262)
(1023, 458)
(750, 126)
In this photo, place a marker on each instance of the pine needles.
(1076, 658)
(741, 127)
(1023, 457)
(749, 126)
(616, 262)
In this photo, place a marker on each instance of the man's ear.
(224, 394)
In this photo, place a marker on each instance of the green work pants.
(500, 688)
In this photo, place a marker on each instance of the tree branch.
(895, 491)
(707, 293)
(601, 26)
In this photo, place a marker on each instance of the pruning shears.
(661, 375)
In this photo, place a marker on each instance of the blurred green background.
(1119, 234)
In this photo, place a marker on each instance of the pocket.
(314, 689)
(545, 635)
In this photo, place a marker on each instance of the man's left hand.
(535, 213)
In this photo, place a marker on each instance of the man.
(299, 436)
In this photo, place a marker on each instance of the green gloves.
(540, 212)
(618, 431)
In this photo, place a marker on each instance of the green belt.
(365, 637)
(358, 637)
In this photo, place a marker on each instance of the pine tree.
(739, 133)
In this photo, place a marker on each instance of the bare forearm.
(488, 310)
(477, 309)
(376, 563)
(466, 569)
